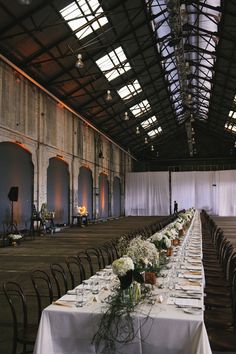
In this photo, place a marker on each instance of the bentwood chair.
(60, 278)
(43, 289)
(96, 259)
(85, 259)
(76, 270)
(23, 332)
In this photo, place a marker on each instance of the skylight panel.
(230, 127)
(84, 17)
(148, 122)
(232, 114)
(114, 64)
(140, 108)
(154, 132)
(128, 91)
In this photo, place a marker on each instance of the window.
(84, 17)
(114, 64)
(140, 108)
(130, 90)
(147, 123)
(154, 132)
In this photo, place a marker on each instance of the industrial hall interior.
(118, 176)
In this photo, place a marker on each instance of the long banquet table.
(172, 324)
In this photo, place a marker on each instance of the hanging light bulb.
(126, 116)
(137, 131)
(108, 96)
(79, 63)
(152, 148)
(24, 2)
(145, 140)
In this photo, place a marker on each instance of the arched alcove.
(58, 189)
(85, 189)
(103, 196)
(116, 197)
(16, 170)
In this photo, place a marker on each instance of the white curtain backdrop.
(226, 193)
(147, 193)
(183, 189)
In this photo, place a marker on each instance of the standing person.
(175, 207)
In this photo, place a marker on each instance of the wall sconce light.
(126, 116)
(152, 148)
(79, 62)
(108, 96)
(137, 131)
(145, 140)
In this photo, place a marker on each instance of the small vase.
(150, 278)
(169, 252)
(176, 242)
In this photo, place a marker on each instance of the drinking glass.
(79, 297)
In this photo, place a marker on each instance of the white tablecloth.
(166, 330)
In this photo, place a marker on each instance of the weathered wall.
(31, 117)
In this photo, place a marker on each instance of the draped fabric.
(227, 193)
(148, 193)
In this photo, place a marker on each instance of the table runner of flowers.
(139, 257)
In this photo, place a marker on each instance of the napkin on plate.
(196, 303)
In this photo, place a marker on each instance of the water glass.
(79, 297)
(95, 287)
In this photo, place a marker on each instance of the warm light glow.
(82, 210)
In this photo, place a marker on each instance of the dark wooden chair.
(76, 270)
(43, 289)
(60, 277)
(23, 332)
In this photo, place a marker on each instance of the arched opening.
(116, 197)
(103, 196)
(16, 170)
(85, 189)
(58, 190)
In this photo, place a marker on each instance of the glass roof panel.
(128, 91)
(154, 132)
(113, 64)
(148, 122)
(186, 37)
(84, 16)
(140, 108)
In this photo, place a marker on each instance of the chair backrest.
(60, 278)
(17, 301)
(86, 261)
(76, 270)
(43, 289)
(95, 257)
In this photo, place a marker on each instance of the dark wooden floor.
(16, 263)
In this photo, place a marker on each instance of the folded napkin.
(191, 275)
(196, 288)
(194, 267)
(62, 303)
(196, 303)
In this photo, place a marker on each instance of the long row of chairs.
(219, 261)
(51, 285)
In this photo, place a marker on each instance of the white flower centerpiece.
(14, 238)
(161, 241)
